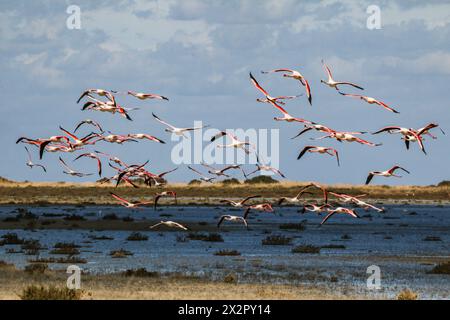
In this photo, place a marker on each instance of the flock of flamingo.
(105, 101)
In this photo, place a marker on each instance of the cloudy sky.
(199, 54)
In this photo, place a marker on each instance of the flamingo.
(202, 177)
(72, 172)
(90, 122)
(349, 137)
(311, 207)
(175, 130)
(267, 97)
(334, 84)
(409, 135)
(30, 162)
(227, 217)
(295, 199)
(128, 204)
(286, 116)
(164, 194)
(143, 96)
(220, 172)
(171, 224)
(112, 158)
(355, 199)
(340, 210)
(158, 179)
(387, 173)
(108, 106)
(294, 74)
(92, 156)
(427, 128)
(314, 126)
(370, 100)
(322, 150)
(265, 207)
(145, 136)
(100, 92)
(79, 142)
(116, 138)
(241, 203)
(318, 186)
(263, 167)
(235, 142)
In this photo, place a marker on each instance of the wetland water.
(405, 242)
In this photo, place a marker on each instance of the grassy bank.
(92, 193)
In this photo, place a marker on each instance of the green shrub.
(36, 268)
(230, 181)
(141, 272)
(276, 241)
(225, 252)
(261, 179)
(441, 268)
(306, 249)
(137, 236)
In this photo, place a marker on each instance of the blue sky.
(199, 53)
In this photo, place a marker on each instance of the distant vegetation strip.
(193, 193)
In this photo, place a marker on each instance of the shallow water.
(393, 240)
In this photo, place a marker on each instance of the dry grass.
(407, 294)
(49, 293)
(139, 285)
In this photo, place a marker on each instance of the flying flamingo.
(227, 217)
(128, 204)
(90, 122)
(322, 150)
(144, 136)
(349, 137)
(30, 162)
(73, 172)
(220, 172)
(164, 194)
(264, 167)
(295, 199)
(265, 207)
(370, 100)
(239, 204)
(175, 130)
(314, 126)
(143, 96)
(340, 210)
(202, 177)
(92, 156)
(355, 199)
(100, 92)
(311, 207)
(235, 142)
(158, 179)
(334, 84)
(115, 138)
(267, 97)
(409, 135)
(171, 224)
(294, 74)
(387, 173)
(112, 158)
(427, 128)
